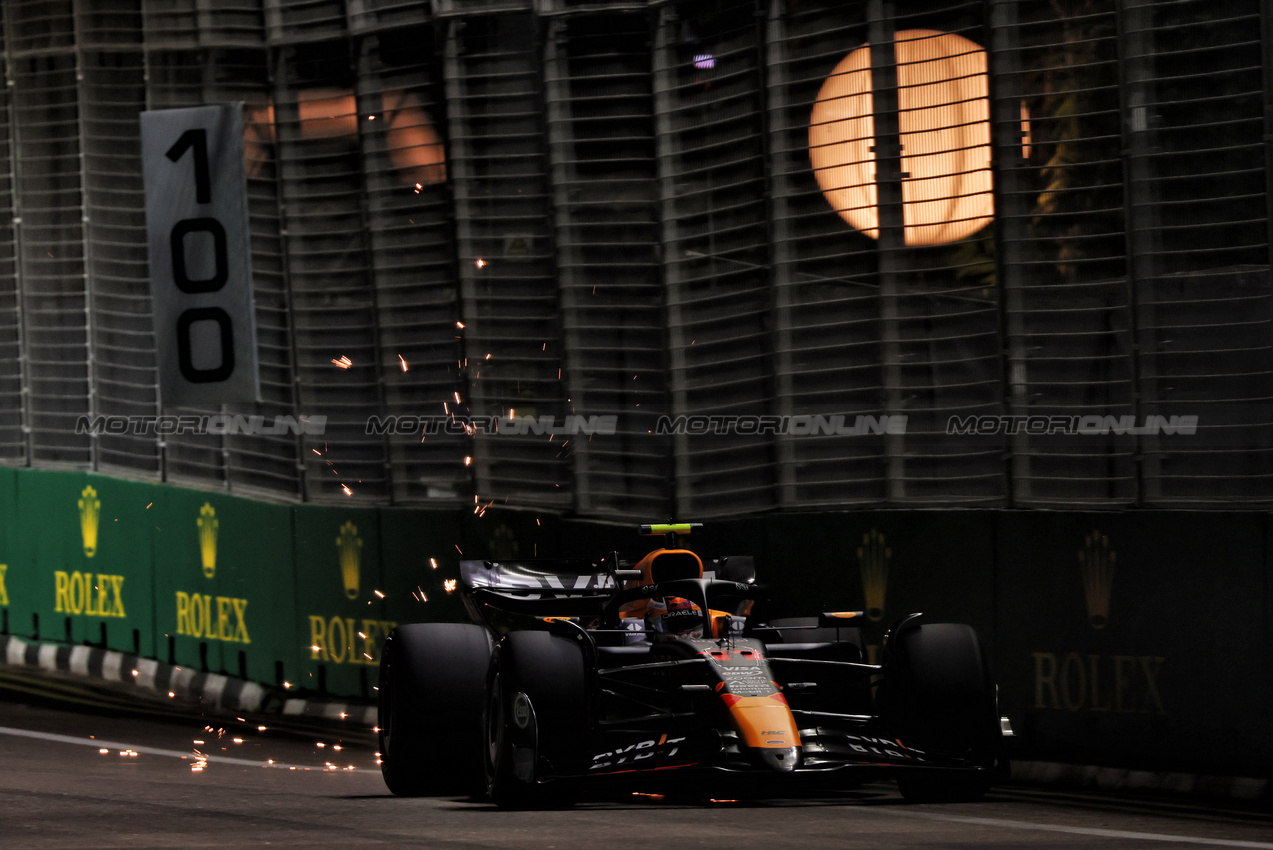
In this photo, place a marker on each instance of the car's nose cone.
(780, 760)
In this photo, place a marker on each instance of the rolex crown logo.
(349, 545)
(208, 524)
(1096, 562)
(503, 543)
(90, 515)
(873, 558)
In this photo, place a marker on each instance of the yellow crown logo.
(349, 545)
(208, 525)
(503, 543)
(1096, 562)
(90, 514)
(873, 558)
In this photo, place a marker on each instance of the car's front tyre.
(536, 712)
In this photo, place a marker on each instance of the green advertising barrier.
(499, 533)
(224, 584)
(8, 544)
(886, 563)
(81, 571)
(418, 549)
(1136, 639)
(340, 596)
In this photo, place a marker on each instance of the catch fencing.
(469, 210)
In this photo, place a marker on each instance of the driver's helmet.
(674, 615)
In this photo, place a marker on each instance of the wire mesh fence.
(755, 254)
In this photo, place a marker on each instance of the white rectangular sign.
(200, 255)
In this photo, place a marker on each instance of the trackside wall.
(1137, 640)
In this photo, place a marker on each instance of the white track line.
(1071, 830)
(156, 751)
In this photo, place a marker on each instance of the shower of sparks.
(343, 362)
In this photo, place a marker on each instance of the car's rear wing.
(550, 577)
(556, 577)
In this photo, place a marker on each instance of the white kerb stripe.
(79, 660)
(213, 686)
(16, 653)
(146, 669)
(251, 697)
(48, 656)
(111, 664)
(179, 681)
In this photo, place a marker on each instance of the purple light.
(703, 61)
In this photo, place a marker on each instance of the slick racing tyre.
(937, 694)
(432, 686)
(536, 714)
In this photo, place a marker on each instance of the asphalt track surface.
(106, 777)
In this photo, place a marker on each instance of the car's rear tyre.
(536, 715)
(431, 691)
(937, 694)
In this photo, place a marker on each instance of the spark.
(260, 728)
(171, 695)
(237, 740)
(488, 357)
(343, 362)
(103, 751)
(403, 361)
(457, 397)
(449, 585)
(381, 595)
(148, 506)
(317, 452)
(480, 262)
(460, 325)
(457, 548)
(345, 487)
(433, 562)
(468, 461)
(321, 744)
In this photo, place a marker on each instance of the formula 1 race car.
(665, 674)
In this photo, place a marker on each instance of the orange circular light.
(944, 128)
